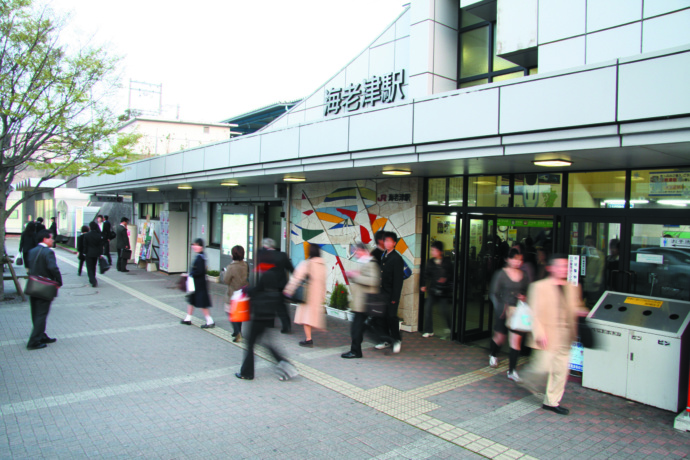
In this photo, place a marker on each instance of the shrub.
(339, 297)
(212, 272)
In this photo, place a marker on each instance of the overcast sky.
(216, 59)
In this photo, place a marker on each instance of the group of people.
(29, 237)
(93, 244)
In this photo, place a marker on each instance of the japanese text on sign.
(405, 197)
(365, 94)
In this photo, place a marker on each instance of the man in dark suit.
(122, 244)
(53, 228)
(268, 258)
(43, 263)
(39, 225)
(379, 250)
(107, 236)
(392, 277)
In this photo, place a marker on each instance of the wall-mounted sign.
(106, 199)
(669, 183)
(403, 197)
(365, 94)
(574, 269)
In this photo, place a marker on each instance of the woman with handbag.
(198, 293)
(439, 278)
(236, 277)
(27, 242)
(507, 287)
(311, 313)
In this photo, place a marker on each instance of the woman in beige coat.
(310, 314)
(236, 277)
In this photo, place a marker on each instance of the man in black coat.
(39, 225)
(392, 277)
(268, 258)
(122, 244)
(107, 236)
(53, 228)
(93, 247)
(43, 263)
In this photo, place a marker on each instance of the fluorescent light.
(184, 187)
(152, 189)
(674, 202)
(396, 172)
(552, 163)
(294, 179)
(484, 182)
(614, 201)
(229, 183)
(639, 201)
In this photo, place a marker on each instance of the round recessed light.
(396, 172)
(294, 179)
(184, 187)
(152, 189)
(552, 163)
(229, 183)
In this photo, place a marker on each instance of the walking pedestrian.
(392, 272)
(438, 274)
(107, 231)
(555, 305)
(53, 228)
(266, 298)
(93, 249)
(27, 242)
(39, 225)
(363, 281)
(122, 244)
(310, 314)
(81, 249)
(43, 264)
(199, 298)
(269, 257)
(236, 277)
(507, 287)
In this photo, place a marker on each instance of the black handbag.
(376, 305)
(126, 254)
(103, 264)
(19, 261)
(300, 294)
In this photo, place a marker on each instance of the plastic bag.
(239, 307)
(521, 319)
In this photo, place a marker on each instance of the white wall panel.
(562, 55)
(516, 25)
(656, 7)
(358, 70)
(157, 167)
(583, 98)
(281, 145)
(278, 123)
(402, 55)
(421, 47)
(143, 169)
(173, 164)
(317, 98)
(295, 118)
(245, 150)
(654, 88)
(603, 14)
(446, 12)
(443, 85)
(387, 36)
(402, 25)
(315, 114)
(421, 10)
(460, 116)
(217, 156)
(130, 173)
(420, 86)
(381, 128)
(336, 82)
(193, 160)
(559, 19)
(614, 43)
(445, 52)
(382, 59)
(666, 31)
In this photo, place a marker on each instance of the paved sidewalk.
(125, 380)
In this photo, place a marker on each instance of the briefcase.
(126, 254)
(41, 287)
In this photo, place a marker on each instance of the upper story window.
(478, 61)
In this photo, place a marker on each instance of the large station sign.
(383, 89)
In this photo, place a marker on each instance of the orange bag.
(239, 308)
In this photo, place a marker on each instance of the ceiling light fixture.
(152, 189)
(294, 179)
(396, 172)
(552, 163)
(184, 187)
(229, 183)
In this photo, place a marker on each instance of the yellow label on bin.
(644, 302)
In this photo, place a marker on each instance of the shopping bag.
(521, 318)
(190, 284)
(239, 307)
(41, 287)
(376, 305)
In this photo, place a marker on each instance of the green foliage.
(339, 297)
(212, 272)
(53, 117)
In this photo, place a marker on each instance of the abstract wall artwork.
(336, 215)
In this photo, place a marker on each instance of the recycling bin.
(643, 349)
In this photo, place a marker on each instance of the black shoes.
(560, 410)
(38, 346)
(350, 355)
(48, 340)
(208, 326)
(240, 376)
(286, 331)
(188, 323)
(306, 343)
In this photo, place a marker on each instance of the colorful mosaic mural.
(336, 215)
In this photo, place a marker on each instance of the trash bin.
(643, 349)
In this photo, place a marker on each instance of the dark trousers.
(82, 259)
(284, 316)
(387, 327)
(443, 303)
(39, 316)
(106, 251)
(236, 328)
(256, 331)
(121, 261)
(357, 333)
(91, 263)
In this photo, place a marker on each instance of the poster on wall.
(234, 232)
(669, 183)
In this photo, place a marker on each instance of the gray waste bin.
(642, 353)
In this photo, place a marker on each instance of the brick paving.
(125, 380)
